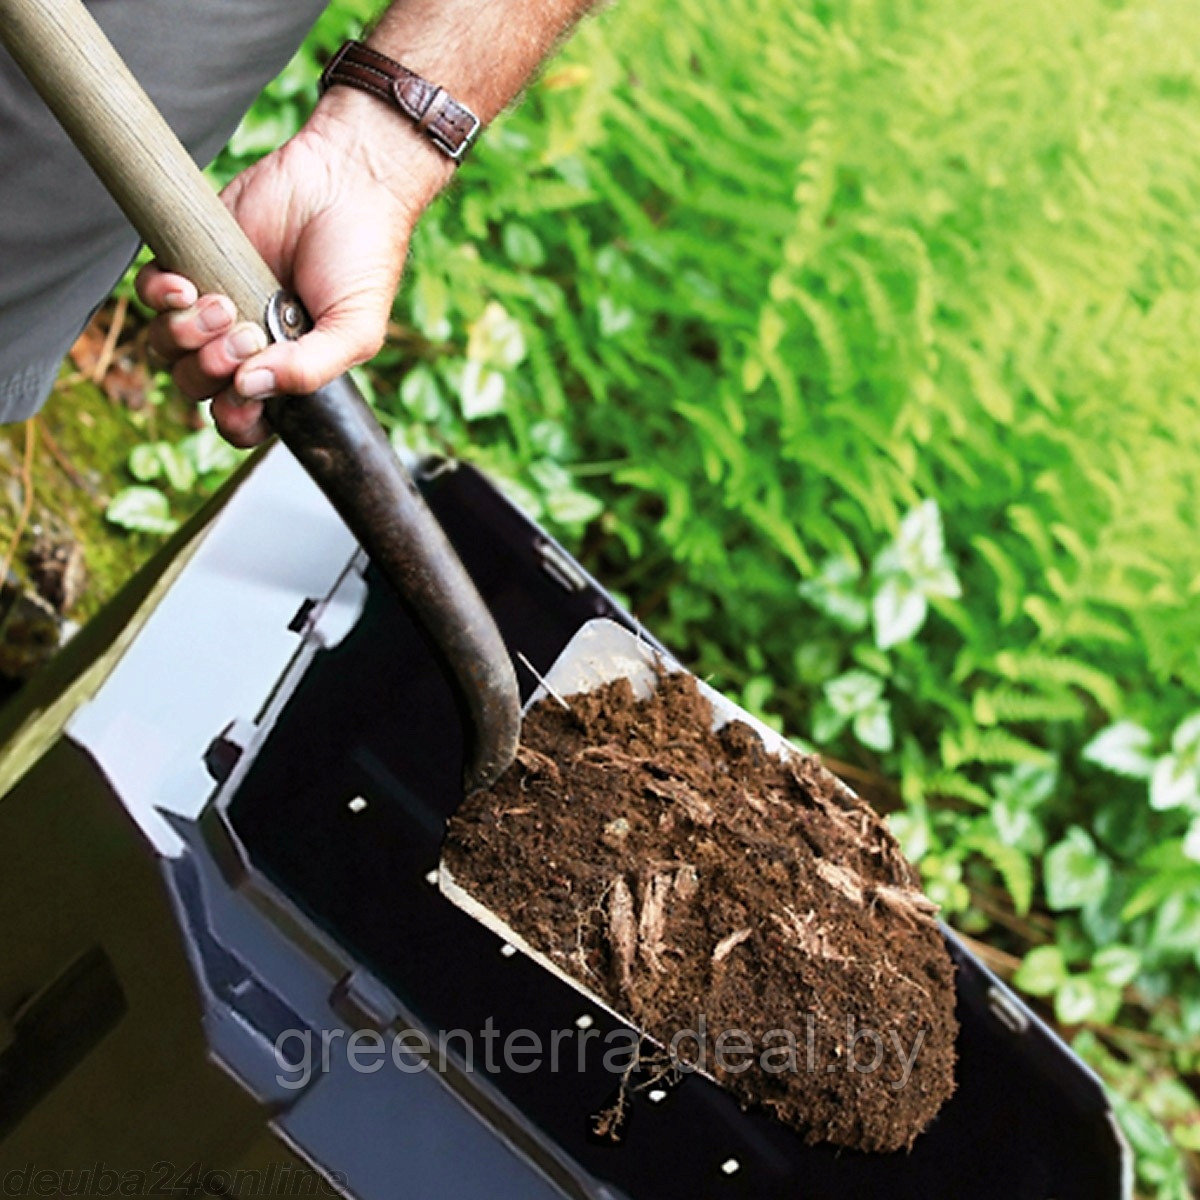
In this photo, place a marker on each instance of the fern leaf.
(1011, 864)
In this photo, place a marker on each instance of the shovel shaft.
(152, 177)
(137, 156)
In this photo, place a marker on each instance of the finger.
(240, 422)
(176, 333)
(297, 368)
(209, 370)
(164, 290)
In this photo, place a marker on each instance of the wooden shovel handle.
(137, 156)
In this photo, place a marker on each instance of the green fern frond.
(958, 787)
(1012, 865)
(1044, 669)
(1013, 707)
(995, 747)
(829, 337)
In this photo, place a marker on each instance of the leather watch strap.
(449, 125)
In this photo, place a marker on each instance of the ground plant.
(855, 344)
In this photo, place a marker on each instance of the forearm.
(481, 51)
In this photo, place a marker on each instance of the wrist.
(380, 141)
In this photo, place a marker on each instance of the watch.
(452, 127)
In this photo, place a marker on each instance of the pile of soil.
(681, 873)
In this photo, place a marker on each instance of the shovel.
(333, 433)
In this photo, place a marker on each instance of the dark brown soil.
(683, 874)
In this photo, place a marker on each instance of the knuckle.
(213, 359)
(367, 345)
(243, 437)
(304, 378)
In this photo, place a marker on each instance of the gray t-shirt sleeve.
(63, 243)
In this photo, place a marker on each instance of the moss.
(81, 445)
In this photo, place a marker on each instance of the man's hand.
(331, 216)
(332, 210)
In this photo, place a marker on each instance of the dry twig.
(26, 498)
(109, 348)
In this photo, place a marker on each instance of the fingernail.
(213, 317)
(244, 341)
(184, 298)
(256, 384)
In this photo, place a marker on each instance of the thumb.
(342, 338)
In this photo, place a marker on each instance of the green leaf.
(911, 830)
(1191, 842)
(481, 391)
(919, 549)
(142, 509)
(899, 610)
(815, 662)
(827, 723)
(523, 246)
(549, 438)
(1123, 749)
(496, 339)
(1076, 1001)
(421, 395)
(1159, 888)
(177, 467)
(1174, 783)
(756, 695)
(569, 506)
(1176, 927)
(145, 465)
(913, 569)
(853, 692)
(431, 306)
(1027, 785)
(209, 453)
(873, 726)
(1185, 741)
(1117, 966)
(1042, 971)
(833, 590)
(614, 318)
(1018, 827)
(1075, 872)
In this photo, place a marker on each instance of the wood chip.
(652, 921)
(539, 766)
(912, 905)
(622, 932)
(730, 942)
(687, 882)
(842, 879)
(695, 807)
